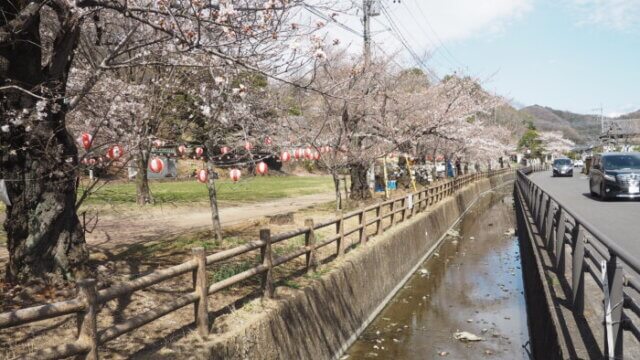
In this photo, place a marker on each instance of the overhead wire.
(403, 41)
(449, 54)
(447, 62)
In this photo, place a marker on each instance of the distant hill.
(577, 127)
(633, 115)
(582, 129)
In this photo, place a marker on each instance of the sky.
(576, 55)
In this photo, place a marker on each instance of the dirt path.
(130, 227)
(149, 226)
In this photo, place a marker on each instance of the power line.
(331, 20)
(435, 33)
(400, 37)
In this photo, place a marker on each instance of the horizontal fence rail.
(90, 300)
(613, 269)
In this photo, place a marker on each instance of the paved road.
(620, 219)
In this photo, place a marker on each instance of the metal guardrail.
(89, 300)
(613, 268)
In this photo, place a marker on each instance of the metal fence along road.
(612, 268)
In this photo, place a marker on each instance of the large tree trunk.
(213, 201)
(39, 157)
(143, 192)
(359, 183)
(43, 231)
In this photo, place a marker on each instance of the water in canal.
(473, 283)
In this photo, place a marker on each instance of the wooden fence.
(89, 300)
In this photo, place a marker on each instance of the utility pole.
(602, 119)
(366, 10)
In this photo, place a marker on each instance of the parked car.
(562, 167)
(578, 163)
(615, 175)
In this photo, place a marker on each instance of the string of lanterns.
(156, 164)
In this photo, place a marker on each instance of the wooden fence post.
(379, 219)
(87, 322)
(404, 209)
(363, 226)
(393, 213)
(267, 260)
(310, 243)
(340, 232)
(201, 308)
(412, 202)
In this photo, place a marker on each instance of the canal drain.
(465, 302)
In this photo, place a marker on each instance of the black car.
(615, 175)
(562, 167)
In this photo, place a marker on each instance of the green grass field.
(248, 190)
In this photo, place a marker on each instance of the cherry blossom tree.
(53, 54)
(555, 143)
(372, 112)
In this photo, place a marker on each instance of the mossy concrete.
(323, 319)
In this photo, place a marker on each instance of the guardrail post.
(362, 218)
(87, 322)
(577, 268)
(201, 308)
(536, 193)
(548, 227)
(340, 232)
(559, 250)
(540, 206)
(267, 260)
(613, 304)
(310, 243)
(543, 212)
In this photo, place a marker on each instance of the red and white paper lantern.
(85, 140)
(248, 146)
(235, 174)
(199, 151)
(92, 161)
(285, 156)
(202, 175)
(297, 153)
(157, 143)
(156, 165)
(308, 153)
(262, 168)
(316, 156)
(224, 150)
(182, 150)
(267, 140)
(115, 152)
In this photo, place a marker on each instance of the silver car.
(562, 167)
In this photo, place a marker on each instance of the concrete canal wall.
(322, 320)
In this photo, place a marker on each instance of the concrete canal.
(465, 302)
